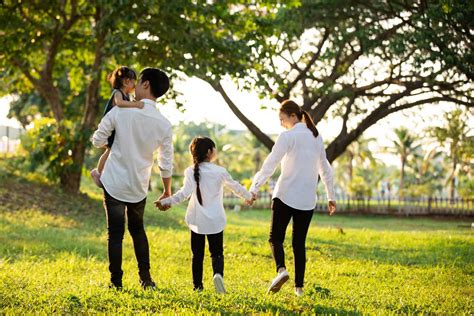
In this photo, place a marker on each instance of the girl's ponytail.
(196, 178)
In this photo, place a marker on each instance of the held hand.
(331, 207)
(161, 206)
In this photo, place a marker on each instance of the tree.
(357, 61)
(404, 146)
(58, 51)
(454, 135)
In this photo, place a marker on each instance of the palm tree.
(454, 134)
(404, 146)
(357, 153)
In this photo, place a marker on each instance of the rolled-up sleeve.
(104, 130)
(271, 163)
(325, 171)
(165, 155)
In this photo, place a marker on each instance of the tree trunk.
(71, 182)
(402, 176)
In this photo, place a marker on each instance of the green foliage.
(359, 188)
(47, 149)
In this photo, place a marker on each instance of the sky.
(203, 104)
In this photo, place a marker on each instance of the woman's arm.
(270, 164)
(236, 187)
(121, 103)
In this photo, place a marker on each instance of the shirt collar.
(299, 125)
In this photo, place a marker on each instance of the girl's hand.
(140, 104)
(331, 207)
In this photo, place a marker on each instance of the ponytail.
(199, 149)
(290, 107)
(309, 123)
(196, 178)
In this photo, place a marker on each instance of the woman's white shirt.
(208, 218)
(302, 158)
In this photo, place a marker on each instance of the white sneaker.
(219, 283)
(277, 282)
(299, 291)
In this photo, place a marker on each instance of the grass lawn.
(53, 259)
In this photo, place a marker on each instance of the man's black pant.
(115, 211)
(281, 215)
(216, 248)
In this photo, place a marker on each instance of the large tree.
(58, 51)
(358, 61)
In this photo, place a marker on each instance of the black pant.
(216, 249)
(115, 210)
(281, 215)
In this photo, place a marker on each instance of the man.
(138, 134)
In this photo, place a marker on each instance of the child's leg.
(216, 248)
(197, 247)
(102, 160)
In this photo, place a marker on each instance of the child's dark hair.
(159, 81)
(290, 107)
(199, 149)
(121, 73)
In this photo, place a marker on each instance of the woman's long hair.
(290, 107)
(199, 149)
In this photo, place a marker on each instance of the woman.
(300, 150)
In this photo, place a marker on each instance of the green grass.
(53, 259)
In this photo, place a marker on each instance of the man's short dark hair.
(159, 81)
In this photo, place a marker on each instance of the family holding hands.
(131, 131)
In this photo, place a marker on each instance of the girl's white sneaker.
(219, 283)
(299, 291)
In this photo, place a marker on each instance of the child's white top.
(208, 218)
(302, 158)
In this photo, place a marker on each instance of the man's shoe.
(148, 284)
(219, 283)
(278, 282)
(116, 286)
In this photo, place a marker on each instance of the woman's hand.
(161, 206)
(331, 207)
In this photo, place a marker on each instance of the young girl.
(205, 215)
(122, 80)
(301, 152)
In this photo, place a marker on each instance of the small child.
(205, 215)
(122, 80)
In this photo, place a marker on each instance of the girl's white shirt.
(208, 218)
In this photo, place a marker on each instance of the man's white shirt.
(138, 134)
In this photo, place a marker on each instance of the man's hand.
(331, 207)
(158, 203)
(250, 202)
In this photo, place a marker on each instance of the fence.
(393, 206)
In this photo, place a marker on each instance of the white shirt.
(302, 158)
(138, 134)
(208, 218)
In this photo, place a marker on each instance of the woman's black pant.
(281, 215)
